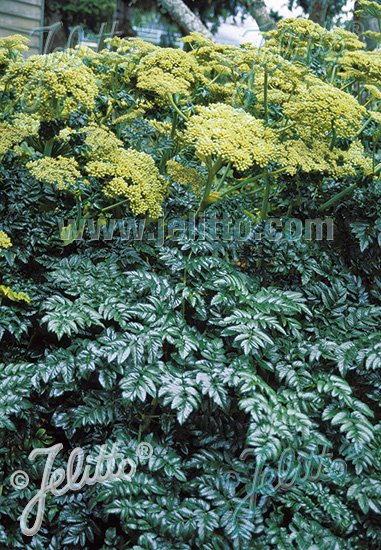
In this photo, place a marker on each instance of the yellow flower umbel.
(135, 46)
(60, 171)
(185, 175)
(294, 37)
(6, 291)
(168, 71)
(137, 179)
(323, 109)
(370, 9)
(53, 85)
(284, 79)
(11, 48)
(374, 91)
(351, 162)
(362, 66)
(17, 130)
(111, 68)
(376, 116)
(126, 173)
(296, 156)
(103, 144)
(220, 132)
(221, 65)
(14, 43)
(340, 40)
(5, 241)
(302, 40)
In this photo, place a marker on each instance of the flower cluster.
(300, 30)
(166, 72)
(185, 175)
(285, 80)
(321, 109)
(296, 155)
(60, 171)
(135, 116)
(6, 291)
(11, 48)
(351, 162)
(53, 85)
(370, 8)
(136, 178)
(110, 67)
(362, 66)
(102, 143)
(135, 46)
(299, 38)
(14, 43)
(19, 128)
(125, 172)
(220, 132)
(5, 241)
(374, 91)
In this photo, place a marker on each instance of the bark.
(123, 17)
(258, 10)
(187, 21)
(318, 12)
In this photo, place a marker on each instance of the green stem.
(334, 71)
(174, 124)
(114, 205)
(362, 128)
(285, 127)
(348, 84)
(176, 108)
(266, 198)
(148, 418)
(367, 102)
(309, 50)
(250, 87)
(266, 99)
(252, 179)
(336, 198)
(208, 187)
(375, 142)
(185, 274)
(222, 180)
(333, 140)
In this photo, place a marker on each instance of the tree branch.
(258, 10)
(184, 17)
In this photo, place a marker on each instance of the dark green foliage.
(203, 349)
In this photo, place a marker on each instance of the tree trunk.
(318, 13)
(187, 21)
(123, 17)
(258, 10)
